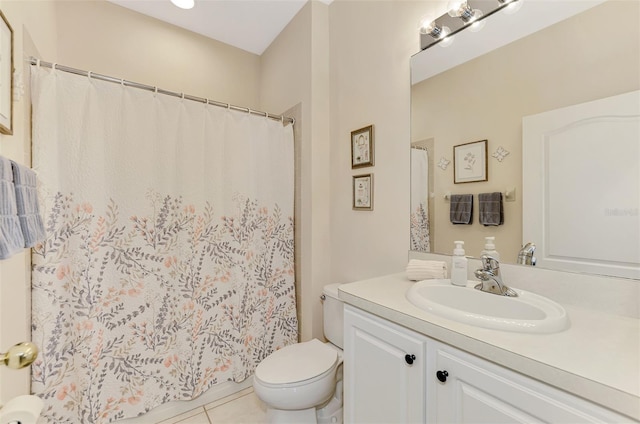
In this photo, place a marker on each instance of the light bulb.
(427, 26)
(456, 7)
(512, 6)
(477, 24)
(184, 4)
(461, 9)
(430, 27)
(446, 40)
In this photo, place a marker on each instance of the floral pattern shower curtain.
(419, 219)
(168, 262)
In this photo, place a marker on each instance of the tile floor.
(242, 407)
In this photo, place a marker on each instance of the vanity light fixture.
(461, 9)
(461, 14)
(511, 6)
(439, 33)
(184, 4)
(468, 15)
(477, 24)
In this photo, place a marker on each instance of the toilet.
(302, 383)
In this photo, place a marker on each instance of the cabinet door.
(477, 391)
(382, 385)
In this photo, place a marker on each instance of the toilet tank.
(333, 315)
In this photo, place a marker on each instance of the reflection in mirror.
(487, 97)
(421, 199)
(581, 183)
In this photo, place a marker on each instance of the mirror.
(483, 85)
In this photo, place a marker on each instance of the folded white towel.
(425, 270)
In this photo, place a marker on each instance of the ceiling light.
(184, 4)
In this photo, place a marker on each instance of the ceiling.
(249, 25)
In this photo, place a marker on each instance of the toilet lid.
(297, 362)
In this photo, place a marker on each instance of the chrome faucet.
(525, 256)
(490, 279)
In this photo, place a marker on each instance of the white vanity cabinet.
(478, 391)
(443, 384)
(384, 369)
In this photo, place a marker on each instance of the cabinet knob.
(409, 358)
(442, 376)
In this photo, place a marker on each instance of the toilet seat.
(297, 364)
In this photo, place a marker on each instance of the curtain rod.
(37, 62)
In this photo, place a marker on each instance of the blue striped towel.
(25, 182)
(11, 238)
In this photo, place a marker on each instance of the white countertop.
(597, 358)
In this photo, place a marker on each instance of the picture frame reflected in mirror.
(470, 162)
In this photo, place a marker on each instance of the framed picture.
(470, 162)
(6, 76)
(362, 147)
(363, 192)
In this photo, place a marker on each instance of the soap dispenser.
(490, 248)
(459, 265)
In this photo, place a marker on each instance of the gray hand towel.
(11, 238)
(461, 208)
(25, 182)
(491, 208)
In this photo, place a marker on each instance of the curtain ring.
(38, 63)
(89, 74)
(53, 66)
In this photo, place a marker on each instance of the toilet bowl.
(302, 383)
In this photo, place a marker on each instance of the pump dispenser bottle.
(459, 265)
(490, 248)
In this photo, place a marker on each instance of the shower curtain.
(168, 262)
(419, 220)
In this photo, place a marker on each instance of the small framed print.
(470, 162)
(363, 192)
(6, 76)
(362, 147)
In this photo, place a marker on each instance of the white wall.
(295, 69)
(31, 27)
(371, 43)
(125, 44)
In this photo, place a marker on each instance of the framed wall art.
(363, 192)
(6, 76)
(362, 147)
(470, 162)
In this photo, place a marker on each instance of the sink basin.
(527, 313)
